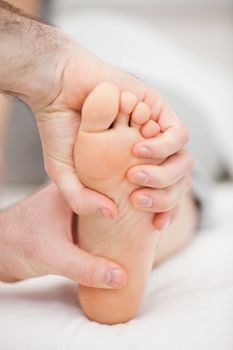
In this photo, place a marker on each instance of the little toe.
(128, 102)
(100, 108)
(140, 115)
(150, 129)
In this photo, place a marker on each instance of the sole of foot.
(112, 122)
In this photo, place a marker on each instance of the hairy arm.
(27, 46)
(32, 7)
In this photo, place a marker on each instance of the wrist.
(32, 58)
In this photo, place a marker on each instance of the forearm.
(31, 7)
(5, 226)
(30, 57)
(4, 112)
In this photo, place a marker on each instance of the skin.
(27, 250)
(131, 238)
(69, 72)
(4, 109)
(54, 76)
(31, 7)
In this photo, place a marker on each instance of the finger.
(164, 175)
(163, 220)
(173, 134)
(164, 145)
(158, 201)
(161, 112)
(58, 136)
(70, 261)
(85, 201)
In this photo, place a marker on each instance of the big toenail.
(144, 201)
(144, 151)
(141, 178)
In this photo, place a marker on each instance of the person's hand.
(36, 240)
(59, 123)
(169, 179)
(163, 185)
(54, 76)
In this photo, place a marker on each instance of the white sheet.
(188, 303)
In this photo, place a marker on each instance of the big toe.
(100, 108)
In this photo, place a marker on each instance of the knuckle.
(186, 159)
(166, 201)
(86, 274)
(79, 206)
(191, 164)
(166, 146)
(189, 160)
(185, 135)
(161, 180)
(189, 182)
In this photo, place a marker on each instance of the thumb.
(87, 269)
(82, 200)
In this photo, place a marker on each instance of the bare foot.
(7, 278)
(111, 124)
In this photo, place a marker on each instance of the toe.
(140, 115)
(128, 102)
(150, 129)
(100, 108)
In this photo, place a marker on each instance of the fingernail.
(143, 151)
(141, 178)
(167, 223)
(105, 212)
(115, 278)
(144, 201)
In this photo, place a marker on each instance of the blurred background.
(182, 47)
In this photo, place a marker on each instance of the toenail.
(141, 178)
(105, 212)
(144, 201)
(115, 278)
(143, 151)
